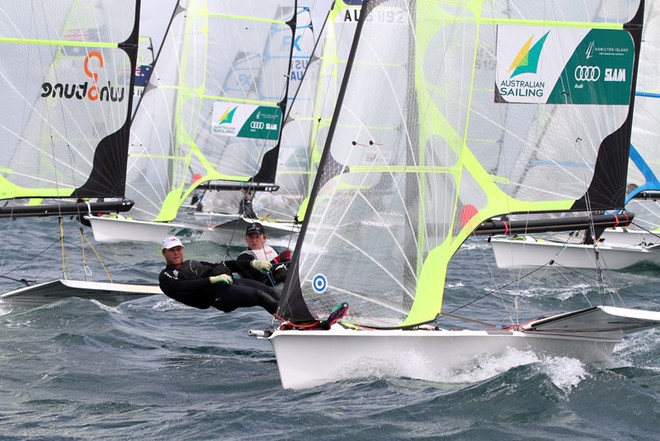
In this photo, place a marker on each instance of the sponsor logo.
(91, 64)
(228, 116)
(224, 123)
(615, 74)
(590, 49)
(587, 73)
(526, 61)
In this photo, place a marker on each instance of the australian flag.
(142, 75)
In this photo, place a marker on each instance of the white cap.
(171, 242)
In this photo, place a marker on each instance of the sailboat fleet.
(391, 137)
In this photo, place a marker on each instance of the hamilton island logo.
(92, 63)
(526, 61)
(590, 50)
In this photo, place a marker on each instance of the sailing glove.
(222, 278)
(262, 265)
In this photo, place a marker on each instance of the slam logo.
(92, 63)
(525, 62)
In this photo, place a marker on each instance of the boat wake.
(564, 373)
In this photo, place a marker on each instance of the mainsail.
(68, 73)
(323, 41)
(212, 110)
(452, 113)
(68, 79)
(644, 167)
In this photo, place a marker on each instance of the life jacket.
(266, 253)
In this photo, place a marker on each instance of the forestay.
(452, 113)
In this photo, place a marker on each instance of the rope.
(66, 264)
(98, 256)
(449, 314)
(86, 269)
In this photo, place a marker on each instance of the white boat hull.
(310, 358)
(117, 229)
(628, 236)
(108, 293)
(530, 252)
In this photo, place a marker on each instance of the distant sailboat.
(622, 246)
(211, 116)
(68, 83)
(448, 113)
(644, 166)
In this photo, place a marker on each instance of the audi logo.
(587, 73)
(256, 125)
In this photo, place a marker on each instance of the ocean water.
(153, 369)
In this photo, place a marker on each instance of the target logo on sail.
(92, 64)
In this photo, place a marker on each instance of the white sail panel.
(62, 64)
(293, 168)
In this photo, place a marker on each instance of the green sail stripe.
(155, 156)
(220, 98)
(240, 100)
(72, 43)
(174, 197)
(246, 18)
(517, 21)
(416, 169)
(9, 190)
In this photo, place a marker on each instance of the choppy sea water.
(153, 369)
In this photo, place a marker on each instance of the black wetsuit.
(189, 284)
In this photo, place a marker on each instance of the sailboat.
(644, 166)
(211, 116)
(621, 246)
(432, 135)
(323, 36)
(68, 84)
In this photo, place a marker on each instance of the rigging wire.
(98, 256)
(66, 263)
